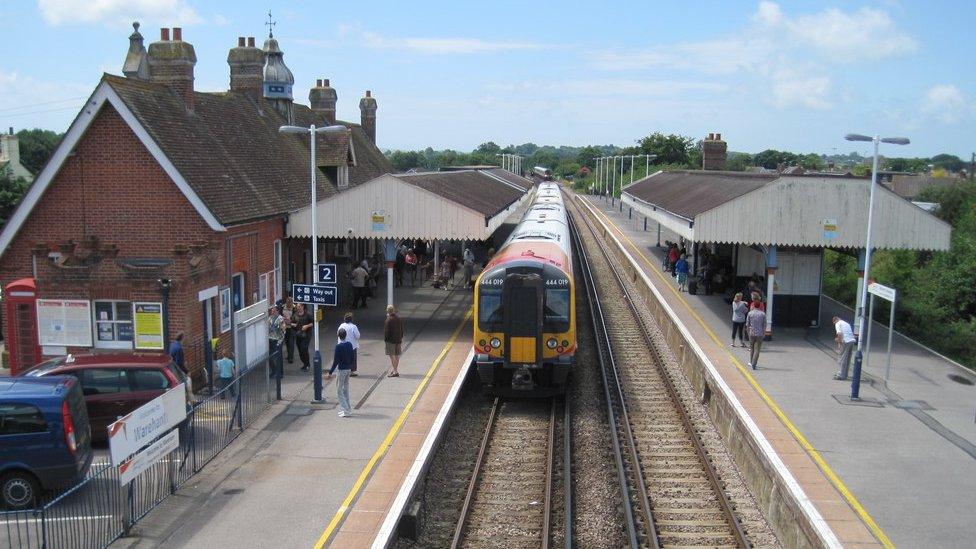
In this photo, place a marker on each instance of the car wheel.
(19, 490)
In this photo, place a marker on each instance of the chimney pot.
(240, 41)
(318, 82)
(250, 41)
(368, 94)
(164, 35)
(718, 137)
(177, 34)
(326, 82)
(11, 130)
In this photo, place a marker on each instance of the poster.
(148, 325)
(829, 228)
(380, 219)
(224, 310)
(64, 323)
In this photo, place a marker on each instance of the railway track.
(509, 501)
(672, 493)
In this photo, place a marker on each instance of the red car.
(114, 384)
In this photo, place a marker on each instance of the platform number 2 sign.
(327, 273)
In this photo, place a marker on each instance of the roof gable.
(689, 193)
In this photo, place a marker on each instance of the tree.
(948, 162)
(36, 146)
(811, 161)
(738, 162)
(11, 192)
(771, 159)
(670, 149)
(915, 165)
(587, 156)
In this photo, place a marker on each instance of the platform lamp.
(311, 131)
(858, 356)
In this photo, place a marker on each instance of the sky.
(788, 75)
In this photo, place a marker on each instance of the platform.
(290, 480)
(900, 470)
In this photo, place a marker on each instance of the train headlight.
(565, 343)
(496, 343)
(552, 343)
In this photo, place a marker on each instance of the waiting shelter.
(777, 225)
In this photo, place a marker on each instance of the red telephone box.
(20, 301)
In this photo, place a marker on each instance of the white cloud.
(797, 90)
(612, 88)
(947, 103)
(29, 102)
(438, 46)
(117, 12)
(865, 34)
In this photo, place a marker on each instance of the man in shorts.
(393, 339)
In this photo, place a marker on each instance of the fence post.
(43, 528)
(193, 437)
(129, 512)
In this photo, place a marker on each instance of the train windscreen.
(490, 309)
(557, 309)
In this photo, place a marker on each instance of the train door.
(522, 296)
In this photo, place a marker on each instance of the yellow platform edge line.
(804, 443)
(340, 513)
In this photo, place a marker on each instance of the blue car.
(45, 438)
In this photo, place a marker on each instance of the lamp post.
(858, 356)
(311, 131)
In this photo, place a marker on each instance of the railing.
(99, 510)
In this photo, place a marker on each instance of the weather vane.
(270, 25)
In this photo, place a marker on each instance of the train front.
(525, 328)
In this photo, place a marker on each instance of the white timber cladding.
(386, 207)
(792, 211)
(674, 223)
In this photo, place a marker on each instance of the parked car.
(45, 438)
(115, 384)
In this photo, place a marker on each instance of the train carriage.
(525, 305)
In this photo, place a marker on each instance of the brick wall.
(114, 202)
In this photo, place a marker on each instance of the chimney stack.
(246, 68)
(714, 152)
(367, 108)
(323, 98)
(171, 63)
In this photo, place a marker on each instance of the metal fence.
(99, 510)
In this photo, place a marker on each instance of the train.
(525, 305)
(544, 173)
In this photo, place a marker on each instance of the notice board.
(64, 323)
(148, 320)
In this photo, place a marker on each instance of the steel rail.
(623, 421)
(707, 466)
(547, 510)
(479, 461)
(568, 470)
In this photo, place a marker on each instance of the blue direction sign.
(315, 295)
(328, 273)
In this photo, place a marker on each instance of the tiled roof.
(370, 161)
(512, 178)
(472, 189)
(689, 193)
(230, 152)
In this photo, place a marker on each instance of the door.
(523, 318)
(237, 291)
(106, 393)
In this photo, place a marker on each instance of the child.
(226, 371)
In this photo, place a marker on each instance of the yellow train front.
(525, 305)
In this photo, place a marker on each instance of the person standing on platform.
(276, 336)
(739, 312)
(681, 269)
(303, 324)
(287, 313)
(352, 336)
(467, 268)
(398, 265)
(672, 257)
(393, 339)
(420, 250)
(844, 336)
(176, 352)
(756, 328)
(357, 278)
(410, 258)
(342, 360)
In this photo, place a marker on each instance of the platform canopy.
(783, 210)
(458, 205)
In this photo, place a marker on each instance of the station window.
(113, 324)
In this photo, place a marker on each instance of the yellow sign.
(148, 325)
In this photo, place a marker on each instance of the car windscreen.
(44, 368)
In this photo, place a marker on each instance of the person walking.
(739, 312)
(681, 269)
(287, 314)
(276, 336)
(673, 256)
(410, 258)
(176, 353)
(393, 339)
(226, 372)
(342, 359)
(844, 336)
(358, 278)
(756, 328)
(398, 265)
(467, 268)
(303, 324)
(352, 336)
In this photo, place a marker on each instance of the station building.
(159, 192)
(773, 229)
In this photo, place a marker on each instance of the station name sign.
(144, 424)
